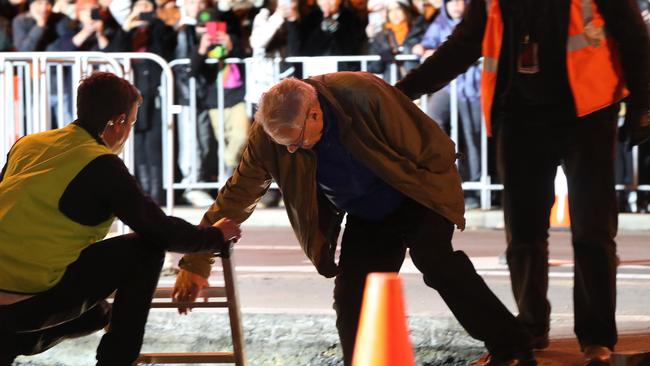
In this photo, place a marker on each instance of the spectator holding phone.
(328, 29)
(196, 143)
(143, 31)
(88, 32)
(223, 38)
(39, 29)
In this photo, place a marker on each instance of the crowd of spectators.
(263, 29)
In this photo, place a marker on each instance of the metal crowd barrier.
(193, 111)
(26, 90)
(168, 109)
(25, 86)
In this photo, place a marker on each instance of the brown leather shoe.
(597, 355)
(524, 359)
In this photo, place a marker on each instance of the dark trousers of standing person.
(380, 246)
(531, 144)
(469, 129)
(76, 306)
(469, 111)
(148, 158)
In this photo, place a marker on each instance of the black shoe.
(540, 342)
(524, 359)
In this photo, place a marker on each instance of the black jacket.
(161, 40)
(306, 36)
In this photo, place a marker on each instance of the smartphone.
(213, 28)
(147, 16)
(95, 14)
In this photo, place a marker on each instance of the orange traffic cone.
(560, 210)
(382, 338)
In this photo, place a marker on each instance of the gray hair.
(285, 105)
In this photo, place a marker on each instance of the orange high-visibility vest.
(592, 60)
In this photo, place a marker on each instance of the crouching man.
(60, 191)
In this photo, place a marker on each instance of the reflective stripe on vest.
(593, 66)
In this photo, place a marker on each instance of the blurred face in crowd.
(455, 8)
(396, 14)
(329, 7)
(193, 7)
(40, 8)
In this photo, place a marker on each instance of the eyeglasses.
(300, 142)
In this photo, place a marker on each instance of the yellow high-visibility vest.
(37, 241)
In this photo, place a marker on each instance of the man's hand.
(229, 229)
(187, 288)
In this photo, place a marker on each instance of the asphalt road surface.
(274, 276)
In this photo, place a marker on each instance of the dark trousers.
(76, 305)
(469, 129)
(148, 160)
(530, 147)
(369, 246)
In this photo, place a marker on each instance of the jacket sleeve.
(624, 23)
(124, 199)
(452, 58)
(237, 199)
(430, 39)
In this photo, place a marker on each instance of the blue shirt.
(347, 183)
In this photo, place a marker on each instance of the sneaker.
(597, 355)
(524, 359)
(198, 198)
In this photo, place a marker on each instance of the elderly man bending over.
(350, 144)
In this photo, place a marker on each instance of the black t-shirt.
(545, 23)
(105, 187)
